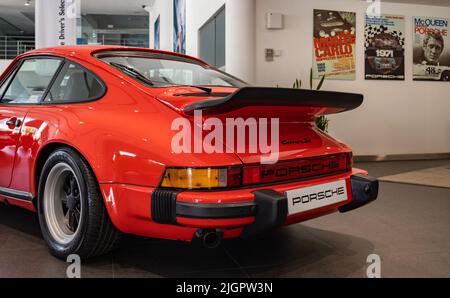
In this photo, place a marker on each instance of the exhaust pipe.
(209, 238)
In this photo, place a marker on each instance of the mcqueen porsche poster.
(385, 47)
(334, 44)
(431, 49)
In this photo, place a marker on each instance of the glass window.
(211, 40)
(6, 83)
(164, 72)
(74, 84)
(31, 81)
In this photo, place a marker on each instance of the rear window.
(165, 70)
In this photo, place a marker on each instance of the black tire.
(445, 76)
(95, 233)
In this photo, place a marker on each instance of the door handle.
(14, 122)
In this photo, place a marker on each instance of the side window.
(74, 84)
(30, 81)
(6, 83)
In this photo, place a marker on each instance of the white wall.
(164, 8)
(198, 12)
(3, 65)
(397, 117)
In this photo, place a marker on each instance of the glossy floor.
(407, 227)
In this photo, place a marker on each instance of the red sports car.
(101, 141)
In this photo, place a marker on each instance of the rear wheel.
(446, 76)
(72, 215)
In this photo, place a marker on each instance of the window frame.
(64, 60)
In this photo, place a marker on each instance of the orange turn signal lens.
(201, 178)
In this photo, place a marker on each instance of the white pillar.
(150, 27)
(56, 22)
(240, 38)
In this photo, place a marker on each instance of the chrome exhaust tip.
(210, 239)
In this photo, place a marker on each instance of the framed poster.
(179, 26)
(157, 34)
(385, 47)
(431, 52)
(334, 44)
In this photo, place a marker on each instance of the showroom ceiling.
(16, 18)
(96, 6)
(424, 2)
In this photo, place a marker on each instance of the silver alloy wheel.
(62, 203)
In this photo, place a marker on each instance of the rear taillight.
(201, 178)
(234, 177)
(291, 170)
(349, 161)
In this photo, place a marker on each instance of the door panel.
(9, 136)
(18, 93)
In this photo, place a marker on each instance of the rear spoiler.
(337, 102)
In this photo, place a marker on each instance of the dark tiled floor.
(408, 227)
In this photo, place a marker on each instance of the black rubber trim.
(204, 94)
(163, 206)
(259, 96)
(272, 212)
(16, 194)
(215, 211)
(364, 191)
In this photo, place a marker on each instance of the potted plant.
(322, 122)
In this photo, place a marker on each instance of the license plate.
(309, 198)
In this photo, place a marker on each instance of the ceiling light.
(27, 3)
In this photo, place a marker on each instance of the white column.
(240, 38)
(56, 22)
(151, 30)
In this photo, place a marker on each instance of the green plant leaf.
(297, 84)
(322, 122)
(321, 83)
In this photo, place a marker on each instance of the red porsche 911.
(101, 141)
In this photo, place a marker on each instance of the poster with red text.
(334, 44)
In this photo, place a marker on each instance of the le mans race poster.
(431, 56)
(385, 47)
(334, 44)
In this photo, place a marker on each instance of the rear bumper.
(270, 208)
(239, 213)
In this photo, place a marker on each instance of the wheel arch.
(45, 152)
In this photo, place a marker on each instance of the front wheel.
(72, 215)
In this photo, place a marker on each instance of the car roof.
(87, 51)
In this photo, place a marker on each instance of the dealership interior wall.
(405, 122)
(397, 117)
